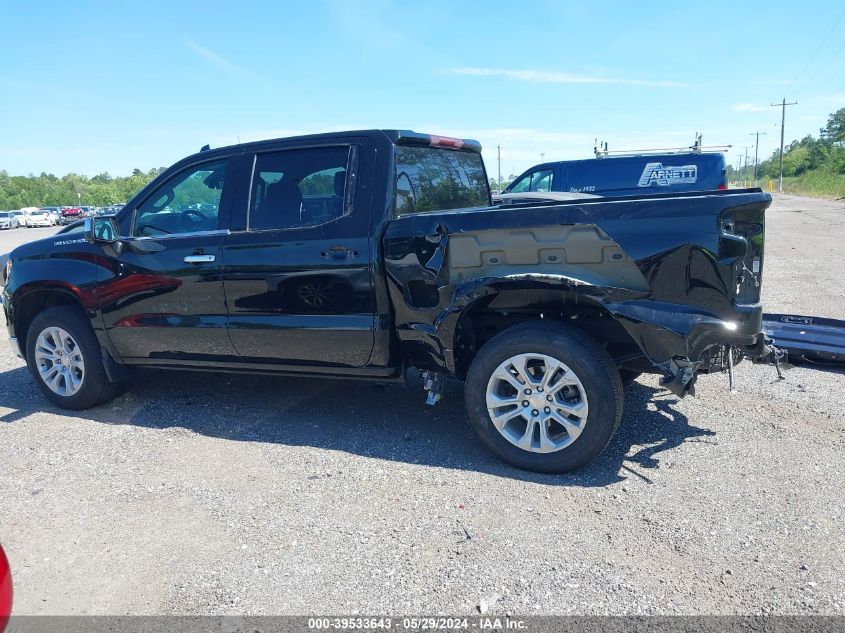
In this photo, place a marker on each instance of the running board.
(812, 339)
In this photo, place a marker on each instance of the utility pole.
(756, 136)
(782, 105)
(499, 182)
(745, 168)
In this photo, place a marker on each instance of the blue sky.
(108, 86)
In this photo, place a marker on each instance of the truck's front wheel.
(544, 397)
(64, 359)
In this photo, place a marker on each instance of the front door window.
(187, 203)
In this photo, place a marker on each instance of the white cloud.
(215, 59)
(556, 77)
(836, 100)
(750, 107)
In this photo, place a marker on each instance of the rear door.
(297, 262)
(604, 176)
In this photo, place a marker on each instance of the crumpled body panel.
(671, 269)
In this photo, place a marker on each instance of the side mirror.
(102, 229)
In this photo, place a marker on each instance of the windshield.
(431, 179)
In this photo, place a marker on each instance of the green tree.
(50, 190)
(834, 131)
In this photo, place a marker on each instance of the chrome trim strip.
(170, 236)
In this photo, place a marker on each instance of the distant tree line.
(825, 154)
(48, 190)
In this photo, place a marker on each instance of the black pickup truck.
(363, 254)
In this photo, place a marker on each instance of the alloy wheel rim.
(59, 361)
(537, 403)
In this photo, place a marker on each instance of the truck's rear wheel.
(544, 397)
(64, 359)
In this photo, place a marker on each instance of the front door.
(297, 272)
(163, 301)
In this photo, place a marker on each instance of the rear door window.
(299, 188)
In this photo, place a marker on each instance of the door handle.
(339, 252)
(199, 259)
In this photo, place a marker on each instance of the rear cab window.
(436, 179)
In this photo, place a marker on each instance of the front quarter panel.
(65, 264)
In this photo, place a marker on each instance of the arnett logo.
(657, 174)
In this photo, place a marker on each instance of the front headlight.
(7, 270)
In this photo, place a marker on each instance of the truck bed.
(678, 271)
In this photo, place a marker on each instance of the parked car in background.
(627, 175)
(8, 220)
(38, 217)
(54, 212)
(70, 214)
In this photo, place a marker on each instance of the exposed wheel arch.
(32, 303)
(492, 314)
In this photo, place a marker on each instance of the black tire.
(628, 376)
(584, 356)
(96, 388)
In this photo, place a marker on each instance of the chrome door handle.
(199, 259)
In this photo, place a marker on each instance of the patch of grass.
(818, 184)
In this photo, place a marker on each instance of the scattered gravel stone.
(293, 496)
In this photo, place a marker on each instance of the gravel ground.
(211, 494)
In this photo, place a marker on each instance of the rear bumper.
(681, 341)
(667, 331)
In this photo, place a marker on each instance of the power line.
(802, 89)
(756, 147)
(820, 71)
(782, 105)
(821, 44)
